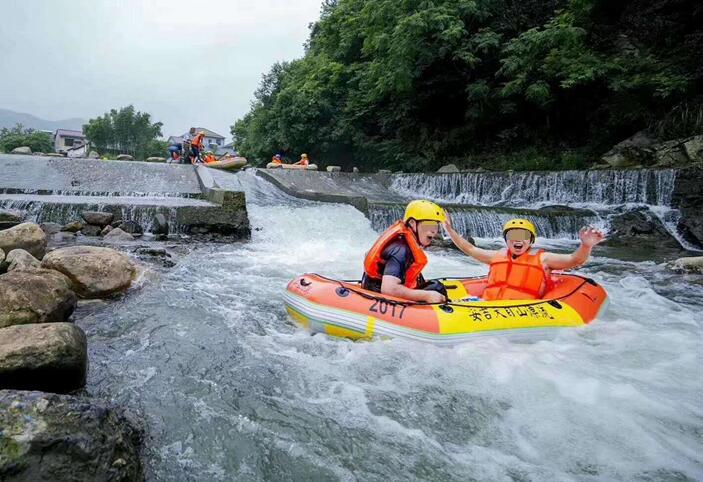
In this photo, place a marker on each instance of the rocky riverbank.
(47, 430)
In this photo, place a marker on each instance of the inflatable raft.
(231, 163)
(342, 308)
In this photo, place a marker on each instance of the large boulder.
(93, 155)
(52, 357)
(692, 264)
(124, 157)
(640, 228)
(22, 150)
(19, 259)
(688, 199)
(36, 296)
(334, 168)
(636, 150)
(694, 148)
(97, 218)
(27, 236)
(448, 168)
(61, 438)
(116, 235)
(95, 272)
(670, 154)
(9, 219)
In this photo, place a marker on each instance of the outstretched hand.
(447, 225)
(590, 236)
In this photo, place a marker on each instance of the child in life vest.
(516, 273)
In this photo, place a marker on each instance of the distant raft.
(344, 309)
(275, 165)
(230, 164)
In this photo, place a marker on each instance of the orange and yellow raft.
(344, 309)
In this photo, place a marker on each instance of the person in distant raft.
(516, 273)
(196, 145)
(303, 161)
(276, 159)
(393, 266)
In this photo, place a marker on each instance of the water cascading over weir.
(45, 189)
(559, 202)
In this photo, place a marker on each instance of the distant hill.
(9, 118)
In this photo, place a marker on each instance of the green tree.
(18, 136)
(124, 131)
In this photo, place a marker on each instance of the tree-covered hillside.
(414, 84)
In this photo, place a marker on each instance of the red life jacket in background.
(374, 262)
(524, 278)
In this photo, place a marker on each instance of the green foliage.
(18, 136)
(125, 131)
(414, 84)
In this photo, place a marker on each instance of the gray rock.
(669, 154)
(95, 272)
(50, 228)
(22, 150)
(116, 235)
(51, 357)
(54, 154)
(124, 157)
(27, 236)
(131, 227)
(694, 148)
(19, 259)
(355, 170)
(155, 159)
(384, 171)
(693, 264)
(97, 218)
(9, 219)
(632, 151)
(106, 230)
(39, 154)
(62, 438)
(73, 227)
(2, 258)
(91, 230)
(116, 223)
(448, 168)
(63, 237)
(334, 168)
(93, 155)
(640, 228)
(159, 224)
(36, 296)
(688, 198)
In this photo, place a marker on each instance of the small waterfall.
(485, 222)
(598, 187)
(110, 194)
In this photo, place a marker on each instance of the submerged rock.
(19, 259)
(693, 264)
(95, 272)
(51, 357)
(27, 236)
(65, 438)
(9, 219)
(36, 296)
(97, 218)
(159, 224)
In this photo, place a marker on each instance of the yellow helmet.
(201, 133)
(423, 210)
(519, 223)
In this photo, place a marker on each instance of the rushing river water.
(230, 389)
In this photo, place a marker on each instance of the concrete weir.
(57, 190)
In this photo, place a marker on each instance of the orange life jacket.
(524, 278)
(197, 141)
(374, 262)
(275, 161)
(210, 158)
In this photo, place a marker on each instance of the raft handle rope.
(584, 280)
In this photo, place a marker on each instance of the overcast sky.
(185, 62)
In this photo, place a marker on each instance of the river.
(230, 389)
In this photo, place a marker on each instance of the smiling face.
(426, 231)
(519, 241)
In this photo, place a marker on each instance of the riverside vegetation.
(498, 84)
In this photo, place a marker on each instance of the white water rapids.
(230, 389)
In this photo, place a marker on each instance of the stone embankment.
(53, 436)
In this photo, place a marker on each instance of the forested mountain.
(10, 118)
(413, 84)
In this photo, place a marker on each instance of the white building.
(65, 139)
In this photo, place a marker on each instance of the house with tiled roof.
(67, 139)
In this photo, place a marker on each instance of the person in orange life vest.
(516, 273)
(303, 161)
(276, 159)
(394, 263)
(196, 145)
(209, 157)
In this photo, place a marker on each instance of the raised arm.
(482, 255)
(589, 238)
